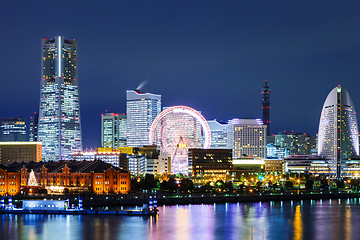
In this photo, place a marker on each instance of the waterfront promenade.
(99, 201)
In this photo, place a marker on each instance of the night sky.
(210, 55)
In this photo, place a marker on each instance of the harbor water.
(315, 219)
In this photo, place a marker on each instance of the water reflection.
(298, 224)
(275, 220)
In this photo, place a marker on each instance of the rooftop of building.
(74, 166)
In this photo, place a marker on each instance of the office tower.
(219, 134)
(266, 106)
(210, 163)
(34, 123)
(59, 117)
(247, 138)
(113, 130)
(338, 138)
(13, 129)
(296, 143)
(141, 110)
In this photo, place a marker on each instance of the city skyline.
(228, 48)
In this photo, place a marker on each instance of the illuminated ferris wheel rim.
(182, 109)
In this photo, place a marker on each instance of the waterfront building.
(210, 162)
(75, 176)
(13, 130)
(113, 130)
(247, 137)
(247, 167)
(9, 181)
(141, 110)
(34, 123)
(109, 157)
(338, 138)
(147, 160)
(276, 152)
(308, 164)
(219, 134)
(20, 152)
(266, 106)
(274, 166)
(59, 116)
(295, 143)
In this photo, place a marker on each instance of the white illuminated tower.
(59, 127)
(338, 130)
(141, 110)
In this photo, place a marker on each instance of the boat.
(62, 207)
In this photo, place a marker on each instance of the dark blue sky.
(210, 55)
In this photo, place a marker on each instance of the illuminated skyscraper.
(266, 107)
(219, 134)
(59, 117)
(141, 110)
(113, 130)
(338, 130)
(13, 130)
(247, 137)
(34, 123)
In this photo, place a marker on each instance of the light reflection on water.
(315, 219)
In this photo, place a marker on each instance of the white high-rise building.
(59, 127)
(247, 137)
(338, 138)
(113, 130)
(141, 110)
(219, 134)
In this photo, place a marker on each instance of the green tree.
(309, 184)
(340, 184)
(324, 184)
(186, 185)
(149, 182)
(289, 184)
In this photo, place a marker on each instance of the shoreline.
(100, 201)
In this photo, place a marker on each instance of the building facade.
(266, 106)
(295, 143)
(338, 138)
(33, 130)
(219, 134)
(59, 115)
(9, 181)
(113, 130)
(75, 176)
(141, 110)
(13, 130)
(210, 162)
(20, 152)
(247, 138)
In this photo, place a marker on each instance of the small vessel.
(63, 207)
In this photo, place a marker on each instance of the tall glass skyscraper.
(59, 115)
(141, 110)
(113, 130)
(13, 130)
(338, 130)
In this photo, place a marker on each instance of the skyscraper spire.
(59, 127)
(266, 106)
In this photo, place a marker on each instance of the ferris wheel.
(175, 130)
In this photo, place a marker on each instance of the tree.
(186, 185)
(149, 182)
(289, 184)
(340, 184)
(309, 184)
(228, 186)
(324, 183)
(169, 185)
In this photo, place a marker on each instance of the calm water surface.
(320, 219)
